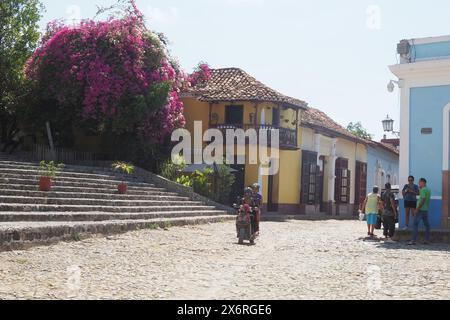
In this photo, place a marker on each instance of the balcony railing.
(288, 137)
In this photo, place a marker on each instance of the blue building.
(424, 81)
(382, 165)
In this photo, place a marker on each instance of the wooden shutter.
(345, 186)
(305, 183)
(310, 173)
(319, 179)
(342, 183)
(360, 182)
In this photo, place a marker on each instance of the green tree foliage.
(19, 34)
(173, 170)
(225, 184)
(216, 186)
(358, 130)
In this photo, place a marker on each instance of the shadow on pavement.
(404, 245)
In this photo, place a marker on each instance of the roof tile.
(319, 119)
(234, 84)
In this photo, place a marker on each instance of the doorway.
(234, 115)
(239, 183)
(276, 117)
(321, 182)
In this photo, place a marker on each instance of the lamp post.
(388, 126)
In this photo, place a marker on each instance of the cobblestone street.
(292, 260)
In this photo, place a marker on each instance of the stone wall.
(147, 176)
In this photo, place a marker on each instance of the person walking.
(370, 207)
(410, 192)
(389, 213)
(422, 213)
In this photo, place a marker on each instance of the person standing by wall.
(410, 192)
(370, 207)
(389, 212)
(422, 213)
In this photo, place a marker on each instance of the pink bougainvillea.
(98, 67)
(201, 75)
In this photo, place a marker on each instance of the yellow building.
(232, 99)
(334, 166)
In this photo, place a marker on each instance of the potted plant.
(125, 168)
(48, 172)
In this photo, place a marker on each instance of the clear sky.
(332, 54)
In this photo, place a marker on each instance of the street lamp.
(392, 83)
(388, 125)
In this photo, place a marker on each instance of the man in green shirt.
(421, 213)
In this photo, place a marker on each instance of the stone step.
(35, 172)
(19, 207)
(93, 202)
(163, 196)
(104, 190)
(81, 184)
(67, 168)
(99, 216)
(23, 235)
(32, 179)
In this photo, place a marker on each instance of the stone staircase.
(84, 201)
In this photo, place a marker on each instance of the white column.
(263, 116)
(332, 173)
(317, 146)
(404, 134)
(260, 171)
(445, 139)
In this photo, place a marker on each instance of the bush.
(172, 171)
(185, 181)
(225, 184)
(204, 183)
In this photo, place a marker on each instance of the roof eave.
(335, 133)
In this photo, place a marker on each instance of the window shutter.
(310, 172)
(305, 183)
(342, 183)
(347, 186)
(318, 183)
(337, 186)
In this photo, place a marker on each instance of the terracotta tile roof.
(234, 84)
(392, 142)
(317, 119)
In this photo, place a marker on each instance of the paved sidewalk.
(292, 260)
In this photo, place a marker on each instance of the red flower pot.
(123, 188)
(45, 184)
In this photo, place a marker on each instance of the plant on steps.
(126, 169)
(48, 172)
(172, 169)
(186, 181)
